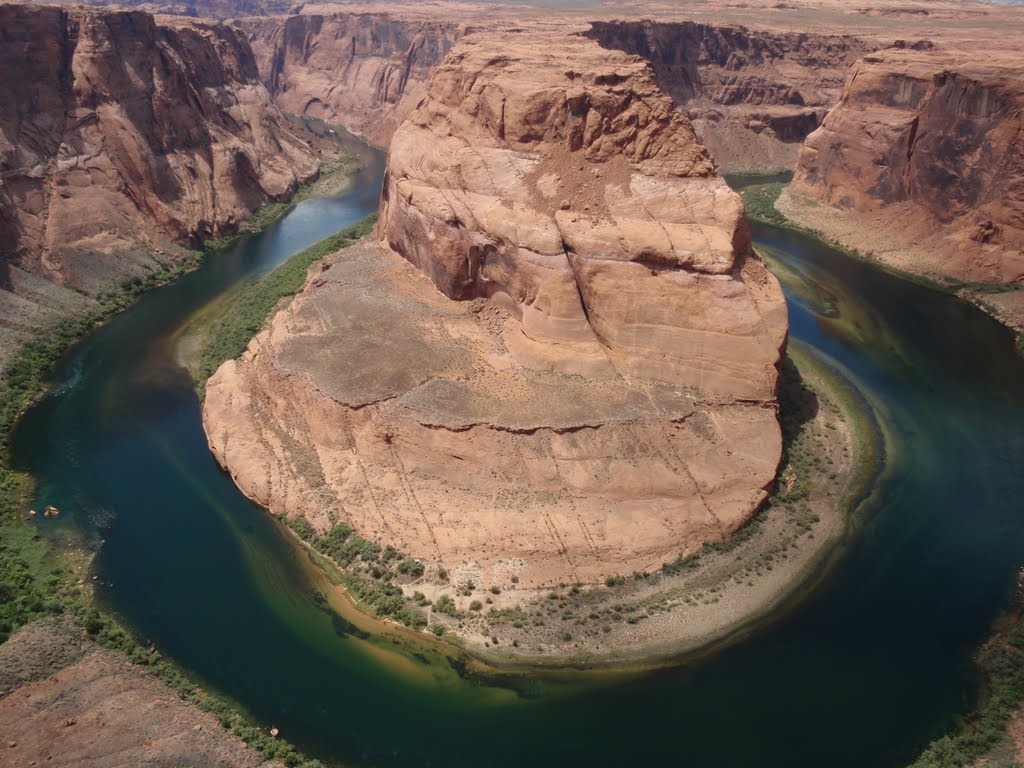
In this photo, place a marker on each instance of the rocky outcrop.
(366, 72)
(601, 395)
(927, 148)
(203, 9)
(753, 95)
(65, 700)
(568, 183)
(121, 134)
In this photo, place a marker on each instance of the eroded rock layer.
(364, 71)
(927, 147)
(601, 395)
(753, 95)
(121, 133)
(564, 183)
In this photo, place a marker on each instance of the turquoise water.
(863, 672)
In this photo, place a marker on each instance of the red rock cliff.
(930, 144)
(120, 132)
(364, 71)
(753, 95)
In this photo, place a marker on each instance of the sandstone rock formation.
(121, 133)
(926, 147)
(66, 701)
(567, 184)
(753, 95)
(364, 71)
(599, 399)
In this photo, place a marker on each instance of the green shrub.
(446, 605)
(301, 527)
(760, 202)
(242, 318)
(411, 567)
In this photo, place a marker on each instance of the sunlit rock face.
(753, 94)
(557, 176)
(928, 145)
(365, 71)
(123, 138)
(559, 362)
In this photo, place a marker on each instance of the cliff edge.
(122, 138)
(923, 160)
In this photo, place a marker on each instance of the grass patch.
(369, 572)
(227, 334)
(760, 203)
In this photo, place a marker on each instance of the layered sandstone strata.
(753, 95)
(566, 185)
(600, 396)
(121, 133)
(366, 72)
(924, 157)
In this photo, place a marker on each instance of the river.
(864, 671)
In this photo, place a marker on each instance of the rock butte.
(601, 396)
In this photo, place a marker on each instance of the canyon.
(753, 95)
(556, 362)
(125, 141)
(96, 194)
(756, 82)
(364, 71)
(571, 374)
(520, 184)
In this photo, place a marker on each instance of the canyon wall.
(366, 72)
(753, 95)
(204, 9)
(559, 365)
(122, 138)
(925, 149)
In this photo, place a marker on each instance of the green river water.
(863, 671)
